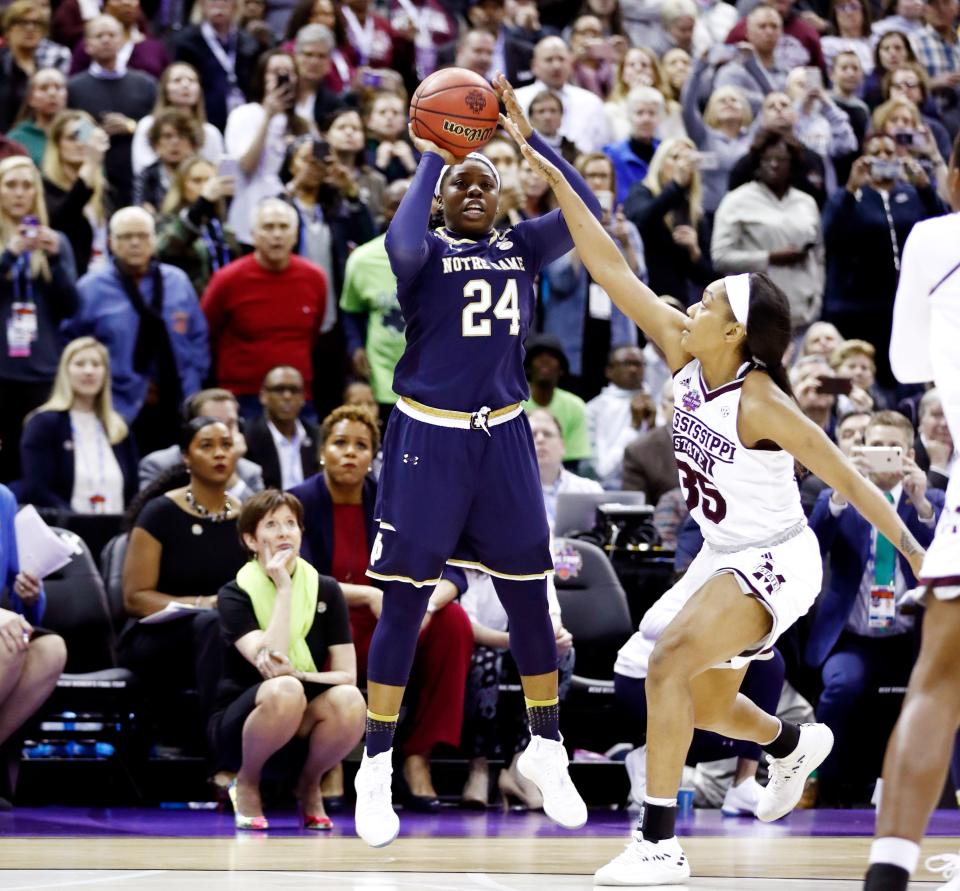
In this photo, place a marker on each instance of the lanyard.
(226, 59)
(885, 198)
(217, 247)
(22, 280)
(361, 38)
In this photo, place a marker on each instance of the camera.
(31, 227)
(885, 168)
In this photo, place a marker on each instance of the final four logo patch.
(691, 400)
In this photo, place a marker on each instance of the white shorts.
(941, 566)
(785, 578)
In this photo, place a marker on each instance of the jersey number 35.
(480, 295)
(697, 489)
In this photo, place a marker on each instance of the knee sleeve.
(395, 637)
(532, 639)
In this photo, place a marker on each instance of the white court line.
(485, 881)
(378, 880)
(73, 883)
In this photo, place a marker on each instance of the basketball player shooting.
(736, 434)
(460, 481)
(923, 347)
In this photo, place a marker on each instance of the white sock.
(896, 852)
(662, 802)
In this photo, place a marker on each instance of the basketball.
(455, 109)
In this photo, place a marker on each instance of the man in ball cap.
(545, 364)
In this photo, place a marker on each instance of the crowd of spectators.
(193, 197)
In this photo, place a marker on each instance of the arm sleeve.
(355, 328)
(824, 522)
(141, 155)
(549, 234)
(39, 454)
(406, 238)
(725, 251)
(457, 577)
(692, 119)
(842, 138)
(33, 613)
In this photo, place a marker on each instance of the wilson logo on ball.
(475, 101)
(471, 134)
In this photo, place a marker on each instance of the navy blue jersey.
(468, 304)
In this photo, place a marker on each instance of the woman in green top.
(287, 699)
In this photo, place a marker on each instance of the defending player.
(926, 330)
(736, 433)
(460, 477)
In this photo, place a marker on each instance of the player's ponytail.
(769, 329)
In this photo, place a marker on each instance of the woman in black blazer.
(77, 453)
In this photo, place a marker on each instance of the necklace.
(219, 517)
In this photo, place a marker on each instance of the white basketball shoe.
(646, 863)
(948, 866)
(788, 775)
(544, 762)
(376, 821)
(742, 800)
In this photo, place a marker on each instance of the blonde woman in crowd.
(640, 67)
(180, 88)
(37, 293)
(192, 232)
(75, 187)
(76, 451)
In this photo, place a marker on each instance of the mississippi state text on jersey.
(738, 496)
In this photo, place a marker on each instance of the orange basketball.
(455, 109)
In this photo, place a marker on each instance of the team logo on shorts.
(765, 574)
(691, 400)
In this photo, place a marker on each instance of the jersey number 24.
(480, 295)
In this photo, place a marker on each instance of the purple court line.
(61, 822)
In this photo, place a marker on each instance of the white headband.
(473, 156)
(738, 295)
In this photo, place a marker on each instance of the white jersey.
(739, 497)
(924, 347)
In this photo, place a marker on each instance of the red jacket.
(259, 319)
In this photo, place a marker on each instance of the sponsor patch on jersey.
(505, 245)
(691, 400)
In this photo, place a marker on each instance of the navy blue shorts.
(450, 495)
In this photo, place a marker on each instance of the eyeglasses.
(278, 389)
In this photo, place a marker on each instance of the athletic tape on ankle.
(387, 719)
(541, 703)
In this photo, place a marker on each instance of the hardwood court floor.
(260, 863)
(155, 849)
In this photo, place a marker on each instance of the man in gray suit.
(222, 405)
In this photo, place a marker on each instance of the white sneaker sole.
(668, 878)
(548, 807)
(814, 760)
(375, 843)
